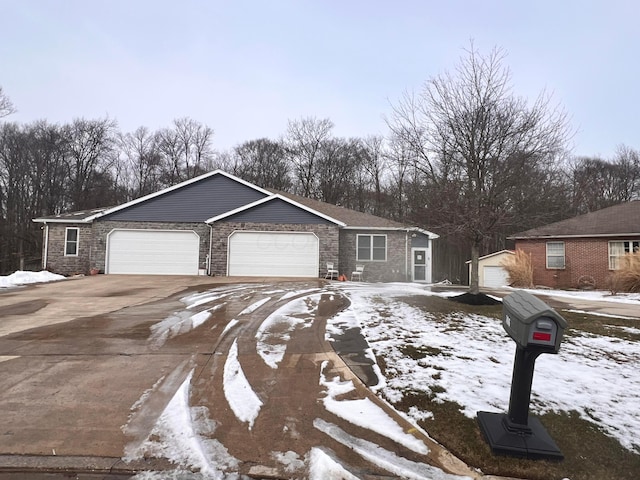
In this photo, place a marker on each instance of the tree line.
(464, 157)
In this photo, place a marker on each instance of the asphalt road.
(87, 366)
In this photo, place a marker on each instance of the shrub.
(519, 268)
(627, 277)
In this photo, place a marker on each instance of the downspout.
(210, 249)
(45, 253)
(406, 255)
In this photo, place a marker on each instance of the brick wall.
(583, 257)
(393, 270)
(62, 264)
(327, 234)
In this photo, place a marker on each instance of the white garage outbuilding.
(491, 273)
(153, 252)
(279, 254)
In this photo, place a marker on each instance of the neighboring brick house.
(217, 224)
(584, 249)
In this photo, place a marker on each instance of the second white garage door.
(155, 252)
(273, 254)
(495, 277)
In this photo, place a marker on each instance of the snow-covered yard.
(468, 359)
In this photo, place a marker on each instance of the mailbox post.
(536, 329)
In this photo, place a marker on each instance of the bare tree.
(475, 140)
(90, 149)
(186, 148)
(304, 141)
(598, 183)
(401, 160)
(375, 164)
(336, 169)
(262, 162)
(627, 161)
(141, 150)
(6, 107)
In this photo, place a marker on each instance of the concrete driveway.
(87, 367)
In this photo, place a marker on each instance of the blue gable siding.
(420, 241)
(195, 202)
(277, 211)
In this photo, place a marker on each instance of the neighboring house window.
(372, 247)
(619, 249)
(71, 237)
(555, 255)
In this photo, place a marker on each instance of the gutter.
(595, 235)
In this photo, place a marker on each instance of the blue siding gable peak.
(276, 209)
(192, 201)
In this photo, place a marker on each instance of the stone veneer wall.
(327, 234)
(57, 261)
(102, 228)
(393, 270)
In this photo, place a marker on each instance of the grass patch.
(598, 325)
(589, 453)
(442, 308)
(418, 352)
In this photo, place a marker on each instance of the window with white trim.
(372, 248)
(71, 238)
(618, 249)
(555, 255)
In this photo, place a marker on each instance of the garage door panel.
(161, 252)
(283, 254)
(495, 277)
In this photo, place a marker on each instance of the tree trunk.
(474, 279)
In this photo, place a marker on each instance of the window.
(71, 241)
(372, 247)
(619, 249)
(555, 255)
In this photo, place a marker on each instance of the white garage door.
(495, 277)
(154, 252)
(273, 254)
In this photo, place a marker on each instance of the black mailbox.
(536, 328)
(531, 322)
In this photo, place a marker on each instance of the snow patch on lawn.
(26, 278)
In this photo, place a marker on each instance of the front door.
(421, 265)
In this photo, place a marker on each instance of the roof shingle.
(619, 220)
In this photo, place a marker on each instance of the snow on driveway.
(457, 357)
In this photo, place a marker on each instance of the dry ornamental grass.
(627, 277)
(519, 269)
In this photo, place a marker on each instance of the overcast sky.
(245, 68)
